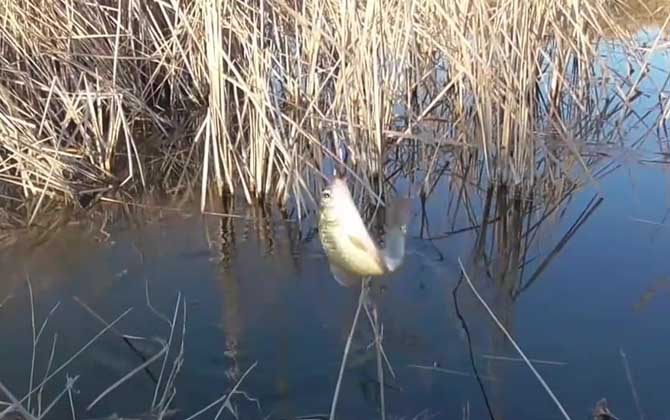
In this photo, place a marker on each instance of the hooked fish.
(351, 251)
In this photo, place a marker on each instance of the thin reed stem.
(347, 347)
(516, 346)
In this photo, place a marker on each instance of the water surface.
(582, 284)
(258, 292)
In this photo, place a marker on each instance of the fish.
(352, 253)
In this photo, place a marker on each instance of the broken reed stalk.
(168, 390)
(382, 360)
(224, 400)
(347, 347)
(514, 344)
(379, 352)
(633, 388)
(380, 364)
(260, 98)
(15, 404)
(161, 402)
(38, 389)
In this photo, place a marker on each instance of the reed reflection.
(257, 254)
(509, 253)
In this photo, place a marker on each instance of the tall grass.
(261, 98)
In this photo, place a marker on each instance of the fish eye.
(325, 193)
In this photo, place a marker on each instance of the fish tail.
(397, 218)
(394, 250)
(398, 213)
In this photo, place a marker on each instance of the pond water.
(583, 287)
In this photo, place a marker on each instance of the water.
(590, 301)
(256, 292)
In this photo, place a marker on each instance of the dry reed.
(161, 406)
(262, 98)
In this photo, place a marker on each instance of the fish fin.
(343, 277)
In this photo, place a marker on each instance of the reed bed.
(263, 98)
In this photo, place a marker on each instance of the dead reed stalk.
(262, 98)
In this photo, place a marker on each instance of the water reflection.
(257, 288)
(504, 260)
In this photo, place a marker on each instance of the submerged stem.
(347, 347)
